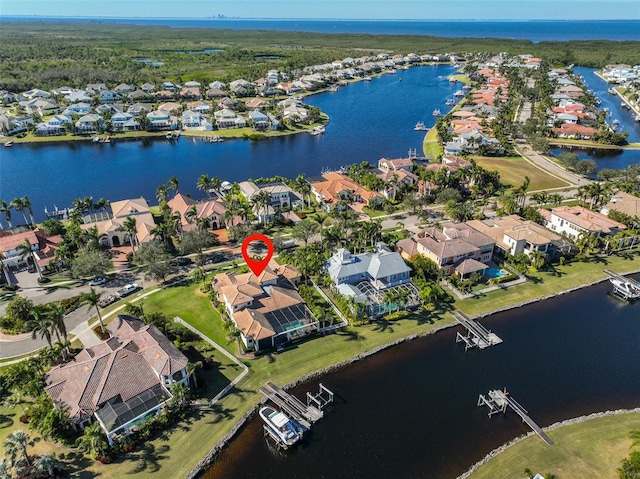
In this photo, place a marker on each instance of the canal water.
(368, 121)
(612, 159)
(410, 411)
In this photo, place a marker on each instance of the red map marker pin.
(257, 266)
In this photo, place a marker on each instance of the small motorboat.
(280, 426)
(8, 144)
(450, 102)
(420, 126)
(317, 130)
(626, 288)
(436, 112)
(367, 78)
(459, 94)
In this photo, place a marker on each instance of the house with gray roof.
(367, 276)
(119, 382)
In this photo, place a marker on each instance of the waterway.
(612, 159)
(368, 121)
(410, 411)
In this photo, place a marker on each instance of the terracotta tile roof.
(11, 242)
(126, 365)
(336, 183)
(624, 203)
(470, 265)
(586, 219)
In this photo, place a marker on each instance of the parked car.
(97, 281)
(216, 258)
(183, 261)
(127, 290)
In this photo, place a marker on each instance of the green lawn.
(544, 283)
(591, 449)
(431, 146)
(513, 170)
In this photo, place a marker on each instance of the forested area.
(48, 55)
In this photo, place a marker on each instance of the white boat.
(453, 80)
(317, 130)
(637, 118)
(420, 126)
(8, 144)
(467, 87)
(626, 288)
(367, 78)
(333, 88)
(280, 425)
(96, 139)
(436, 112)
(459, 94)
(611, 91)
(450, 102)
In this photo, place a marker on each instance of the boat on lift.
(420, 126)
(280, 426)
(450, 102)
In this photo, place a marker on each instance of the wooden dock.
(291, 405)
(477, 336)
(623, 286)
(498, 401)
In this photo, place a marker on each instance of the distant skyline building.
(332, 9)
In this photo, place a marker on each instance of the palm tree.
(131, 228)
(102, 204)
(26, 202)
(15, 443)
(6, 209)
(18, 204)
(46, 462)
(92, 440)
(204, 184)
(92, 299)
(191, 214)
(215, 184)
(41, 323)
(192, 368)
(161, 194)
(25, 250)
(56, 313)
(173, 184)
(16, 398)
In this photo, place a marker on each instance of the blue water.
(369, 120)
(615, 159)
(535, 31)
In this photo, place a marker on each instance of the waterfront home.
(450, 247)
(110, 227)
(122, 121)
(337, 187)
(57, 125)
(193, 120)
(573, 221)
(43, 248)
(91, 123)
(121, 381)
(572, 130)
(368, 276)
(193, 212)
(161, 120)
(227, 118)
(386, 165)
(12, 125)
(170, 107)
(281, 195)
(395, 180)
(623, 203)
(267, 310)
(257, 103)
(259, 121)
(296, 113)
(514, 235)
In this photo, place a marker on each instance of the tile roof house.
(211, 209)
(575, 220)
(266, 309)
(386, 165)
(337, 187)
(121, 381)
(110, 230)
(623, 203)
(515, 235)
(449, 247)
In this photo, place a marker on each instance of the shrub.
(44, 280)
(10, 287)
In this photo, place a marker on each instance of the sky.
(333, 9)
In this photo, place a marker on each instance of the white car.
(97, 281)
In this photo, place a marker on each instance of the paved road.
(539, 160)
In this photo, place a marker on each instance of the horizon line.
(334, 19)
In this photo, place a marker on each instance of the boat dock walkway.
(291, 405)
(498, 401)
(478, 335)
(625, 287)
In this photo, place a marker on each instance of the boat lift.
(623, 286)
(477, 336)
(498, 401)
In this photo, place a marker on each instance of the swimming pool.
(495, 272)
